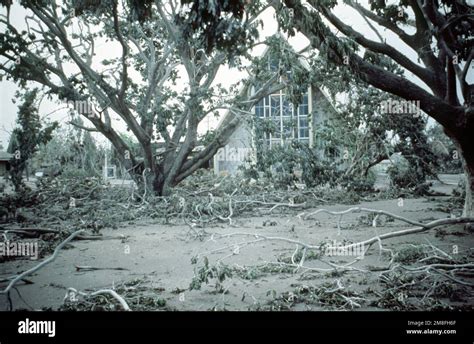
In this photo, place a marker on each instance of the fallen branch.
(71, 293)
(422, 227)
(426, 227)
(40, 265)
(33, 232)
(231, 211)
(100, 237)
(92, 268)
(31, 229)
(29, 232)
(27, 281)
(359, 209)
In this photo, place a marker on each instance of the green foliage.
(70, 148)
(375, 135)
(205, 273)
(447, 156)
(325, 295)
(279, 163)
(220, 25)
(414, 147)
(285, 62)
(455, 14)
(410, 254)
(401, 175)
(296, 162)
(207, 137)
(27, 136)
(137, 294)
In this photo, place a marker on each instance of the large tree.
(161, 86)
(440, 33)
(442, 39)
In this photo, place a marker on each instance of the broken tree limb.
(19, 233)
(40, 265)
(231, 211)
(100, 237)
(442, 270)
(422, 227)
(427, 226)
(71, 292)
(360, 209)
(27, 281)
(31, 229)
(93, 268)
(29, 232)
(274, 204)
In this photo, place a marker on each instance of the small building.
(4, 163)
(288, 121)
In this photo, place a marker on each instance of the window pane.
(303, 109)
(287, 107)
(267, 111)
(304, 133)
(303, 121)
(305, 99)
(303, 106)
(275, 102)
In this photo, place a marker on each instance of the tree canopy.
(161, 87)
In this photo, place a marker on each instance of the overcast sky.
(226, 76)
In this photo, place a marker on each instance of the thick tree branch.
(311, 25)
(424, 74)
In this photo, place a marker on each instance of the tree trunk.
(466, 154)
(153, 180)
(159, 183)
(468, 166)
(469, 176)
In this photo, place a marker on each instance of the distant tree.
(27, 136)
(70, 148)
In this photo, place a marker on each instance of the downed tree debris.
(19, 277)
(61, 203)
(27, 281)
(204, 201)
(131, 295)
(72, 296)
(321, 248)
(92, 268)
(433, 263)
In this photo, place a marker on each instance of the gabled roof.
(303, 64)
